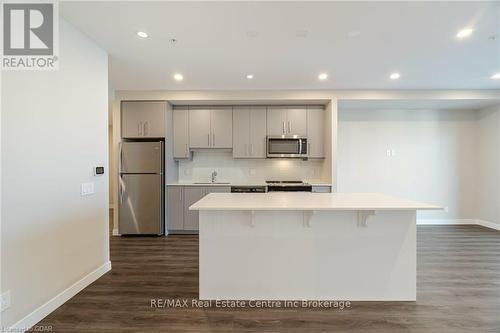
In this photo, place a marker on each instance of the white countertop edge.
(298, 201)
(237, 184)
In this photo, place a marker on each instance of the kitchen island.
(307, 246)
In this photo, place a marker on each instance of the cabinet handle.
(139, 129)
(213, 139)
(145, 126)
(284, 127)
(180, 195)
(289, 127)
(251, 149)
(208, 138)
(186, 152)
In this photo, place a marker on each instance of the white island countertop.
(307, 201)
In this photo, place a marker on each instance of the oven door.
(286, 147)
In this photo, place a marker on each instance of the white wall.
(246, 170)
(54, 130)
(489, 165)
(435, 157)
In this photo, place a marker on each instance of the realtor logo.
(29, 35)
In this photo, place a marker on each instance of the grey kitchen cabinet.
(221, 122)
(179, 198)
(211, 128)
(286, 121)
(181, 132)
(249, 127)
(143, 119)
(191, 195)
(199, 128)
(175, 208)
(315, 131)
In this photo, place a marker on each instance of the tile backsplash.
(204, 162)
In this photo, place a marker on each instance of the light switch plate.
(5, 301)
(86, 189)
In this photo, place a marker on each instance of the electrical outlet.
(87, 189)
(5, 301)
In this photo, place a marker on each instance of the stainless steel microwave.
(287, 147)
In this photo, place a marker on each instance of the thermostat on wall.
(98, 170)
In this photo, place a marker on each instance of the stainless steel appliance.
(249, 189)
(288, 186)
(141, 188)
(287, 147)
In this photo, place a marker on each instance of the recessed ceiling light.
(395, 76)
(178, 77)
(249, 76)
(464, 33)
(323, 76)
(142, 34)
(496, 76)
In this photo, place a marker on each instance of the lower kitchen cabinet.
(179, 198)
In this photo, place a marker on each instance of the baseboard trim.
(116, 232)
(482, 223)
(44, 310)
(445, 221)
(488, 224)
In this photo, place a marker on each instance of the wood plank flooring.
(458, 290)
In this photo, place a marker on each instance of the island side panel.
(281, 257)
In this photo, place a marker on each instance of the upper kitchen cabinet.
(181, 132)
(143, 119)
(221, 122)
(286, 121)
(249, 127)
(211, 128)
(315, 131)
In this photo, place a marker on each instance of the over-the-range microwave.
(287, 147)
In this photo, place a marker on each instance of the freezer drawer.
(141, 157)
(140, 204)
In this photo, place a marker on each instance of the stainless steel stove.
(288, 186)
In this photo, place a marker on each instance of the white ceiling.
(219, 43)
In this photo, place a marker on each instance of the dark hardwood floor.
(458, 291)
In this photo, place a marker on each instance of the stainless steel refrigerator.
(141, 188)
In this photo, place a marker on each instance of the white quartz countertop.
(237, 183)
(307, 201)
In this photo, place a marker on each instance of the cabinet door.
(296, 121)
(175, 208)
(258, 130)
(153, 119)
(131, 122)
(199, 128)
(181, 133)
(241, 129)
(217, 189)
(276, 121)
(222, 128)
(315, 132)
(191, 195)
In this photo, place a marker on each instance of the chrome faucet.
(214, 175)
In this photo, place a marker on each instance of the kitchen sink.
(210, 183)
